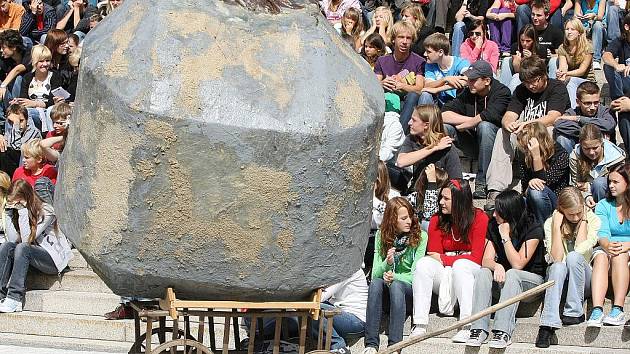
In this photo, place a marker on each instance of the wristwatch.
(504, 241)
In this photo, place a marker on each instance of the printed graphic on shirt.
(533, 111)
(408, 77)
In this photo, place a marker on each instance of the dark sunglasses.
(475, 33)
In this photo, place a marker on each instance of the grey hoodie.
(602, 119)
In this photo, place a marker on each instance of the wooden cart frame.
(182, 341)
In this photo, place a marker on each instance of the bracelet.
(3, 85)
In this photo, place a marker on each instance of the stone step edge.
(87, 345)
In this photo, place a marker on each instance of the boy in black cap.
(474, 117)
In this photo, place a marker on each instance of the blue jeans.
(458, 36)
(567, 142)
(598, 33)
(344, 324)
(15, 258)
(619, 85)
(599, 188)
(572, 86)
(573, 280)
(541, 203)
(476, 142)
(506, 71)
(410, 102)
(623, 122)
(613, 15)
(399, 296)
(524, 16)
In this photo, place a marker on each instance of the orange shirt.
(13, 18)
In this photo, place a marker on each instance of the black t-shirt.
(534, 231)
(530, 106)
(446, 159)
(542, 52)
(550, 39)
(7, 64)
(620, 49)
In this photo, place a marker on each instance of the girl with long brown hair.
(455, 246)
(399, 245)
(33, 239)
(428, 143)
(612, 255)
(544, 169)
(590, 162)
(570, 235)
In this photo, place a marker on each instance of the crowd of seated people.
(510, 83)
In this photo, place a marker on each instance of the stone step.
(82, 280)
(78, 262)
(70, 302)
(87, 345)
(443, 345)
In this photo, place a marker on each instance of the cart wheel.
(139, 346)
(182, 346)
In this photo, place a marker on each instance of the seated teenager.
(616, 60)
(426, 192)
(592, 14)
(399, 245)
(352, 28)
(428, 143)
(14, 63)
(413, 13)
(381, 23)
(537, 99)
(513, 262)
(38, 19)
(350, 296)
(575, 57)
(570, 235)
(373, 48)
(402, 71)
(34, 167)
(456, 237)
(469, 12)
(55, 140)
(544, 169)
(588, 110)
(474, 118)
(610, 259)
(444, 73)
(478, 47)
(19, 131)
(590, 163)
(525, 47)
(500, 18)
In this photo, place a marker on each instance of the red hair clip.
(456, 184)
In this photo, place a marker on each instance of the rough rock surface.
(223, 152)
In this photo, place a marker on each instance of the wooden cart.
(175, 339)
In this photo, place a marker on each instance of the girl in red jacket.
(454, 251)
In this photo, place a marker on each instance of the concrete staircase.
(67, 312)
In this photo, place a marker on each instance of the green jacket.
(407, 263)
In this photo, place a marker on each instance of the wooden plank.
(276, 337)
(252, 335)
(303, 324)
(226, 335)
(280, 305)
(149, 335)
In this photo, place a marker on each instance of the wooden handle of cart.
(400, 345)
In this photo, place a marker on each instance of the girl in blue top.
(614, 242)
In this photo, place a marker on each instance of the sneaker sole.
(614, 323)
(593, 324)
(496, 346)
(475, 345)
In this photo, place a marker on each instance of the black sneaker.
(546, 337)
(344, 350)
(480, 191)
(489, 207)
(571, 321)
(500, 340)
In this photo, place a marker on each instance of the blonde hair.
(579, 49)
(74, 59)
(59, 111)
(569, 198)
(416, 11)
(40, 53)
(539, 131)
(389, 21)
(382, 184)
(33, 149)
(431, 114)
(5, 183)
(403, 26)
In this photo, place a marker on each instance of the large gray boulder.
(224, 152)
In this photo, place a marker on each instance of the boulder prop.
(225, 152)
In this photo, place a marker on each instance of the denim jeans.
(598, 34)
(624, 129)
(476, 142)
(541, 203)
(15, 259)
(599, 188)
(458, 36)
(344, 324)
(410, 102)
(573, 281)
(619, 85)
(567, 142)
(399, 297)
(516, 282)
(572, 86)
(613, 15)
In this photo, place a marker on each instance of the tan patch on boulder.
(118, 65)
(350, 103)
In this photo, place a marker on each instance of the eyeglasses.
(587, 104)
(475, 33)
(533, 82)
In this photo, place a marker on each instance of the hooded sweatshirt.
(602, 119)
(613, 155)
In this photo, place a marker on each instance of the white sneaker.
(597, 65)
(417, 331)
(461, 336)
(370, 350)
(10, 305)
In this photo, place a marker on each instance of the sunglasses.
(475, 33)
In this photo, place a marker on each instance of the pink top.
(488, 52)
(334, 16)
